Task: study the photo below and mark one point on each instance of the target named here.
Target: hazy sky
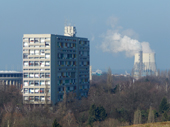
(143, 20)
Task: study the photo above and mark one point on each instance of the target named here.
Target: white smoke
(146, 47)
(114, 41)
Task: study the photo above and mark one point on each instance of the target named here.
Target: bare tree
(46, 94)
(109, 80)
(137, 117)
(151, 116)
(65, 98)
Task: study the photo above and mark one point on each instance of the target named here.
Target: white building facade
(53, 64)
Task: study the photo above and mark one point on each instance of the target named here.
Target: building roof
(9, 72)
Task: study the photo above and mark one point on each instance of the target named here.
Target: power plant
(144, 64)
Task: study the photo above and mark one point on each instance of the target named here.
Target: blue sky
(148, 19)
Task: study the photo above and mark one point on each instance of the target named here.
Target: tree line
(112, 101)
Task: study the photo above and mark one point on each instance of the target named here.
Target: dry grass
(159, 124)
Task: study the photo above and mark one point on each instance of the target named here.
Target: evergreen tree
(101, 115)
(164, 106)
(96, 114)
(55, 124)
(91, 119)
(164, 117)
(92, 110)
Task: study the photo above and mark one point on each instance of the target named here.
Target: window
(36, 40)
(42, 63)
(37, 75)
(31, 98)
(25, 44)
(36, 83)
(42, 75)
(36, 90)
(26, 75)
(31, 40)
(37, 98)
(47, 82)
(71, 88)
(42, 57)
(31, 90)
(42, 40)
(25, 55)
(26, 91)
(25, 63)
(42, 52)
(67, 81)
(41, 90)
(31, 75)
(42, 69)
(36, 63)
(25, 83)
(36, 46)
(31, 63)
(26, 98)
(47, 63)
(37, 52)
(31, 46)
(31, 83)
(47, 44)
(42, 98)
(31, 52)
(47, 75)
(42, 46)
(47, 55)
(42, 82)
(47, 50)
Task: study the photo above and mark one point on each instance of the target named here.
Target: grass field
(159, 124)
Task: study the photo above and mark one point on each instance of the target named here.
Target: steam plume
(114, 42)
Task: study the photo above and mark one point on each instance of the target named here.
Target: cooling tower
(149, 67)
(138, 65)
(144, 64)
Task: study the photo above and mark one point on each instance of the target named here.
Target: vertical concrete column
(4, 85)
(13, 82)
(19, 84)
(10, 82)
(16, 83)
(3, 82)
(6, 82)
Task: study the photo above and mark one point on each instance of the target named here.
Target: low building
(11, 78)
